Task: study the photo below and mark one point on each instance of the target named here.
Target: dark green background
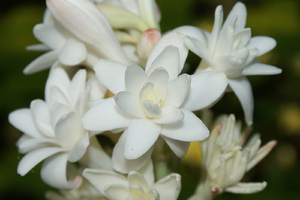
(277, 98)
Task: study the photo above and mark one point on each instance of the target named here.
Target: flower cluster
(114, 73)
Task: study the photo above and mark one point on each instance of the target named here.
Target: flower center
(151, 100)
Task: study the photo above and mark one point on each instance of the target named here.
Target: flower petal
(261, 69)
(263, 43)
(111, 74)
(174, 39)
(216, 29)
(194, 32)
(168, 59)
(73, 52)
(237, 16)
(22, 120)
(142, 134)
(42, 62)
(41, 114)
(169, 187)
(80, 148)
(242, 88)
(246, 188)
(129, 103)
(85, 21)
(135, 78)
(178, 147)
(178, 90)
(49, 35)
(199, 48)
(123, 165)
(191, 128)
(95, 157)
(104, 116)
(206, 88)
(169, 114)
(54, 173)
(102, 179)
(119, 192)
(32, 158)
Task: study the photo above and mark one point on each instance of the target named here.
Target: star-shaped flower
(229, 49)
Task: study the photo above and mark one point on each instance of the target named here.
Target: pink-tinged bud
(147, 41)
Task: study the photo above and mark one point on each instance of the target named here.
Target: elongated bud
(83, 19)
(147, 41)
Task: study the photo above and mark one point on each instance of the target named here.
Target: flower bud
(147, 41)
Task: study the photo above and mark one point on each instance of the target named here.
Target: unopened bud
(147, 41)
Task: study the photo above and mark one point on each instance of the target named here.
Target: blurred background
(277, 98)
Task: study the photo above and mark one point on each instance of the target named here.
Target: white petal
(169, 187)
(199, 48)
(178, 147)
(246, 188)
(95, 157)
(206, 88)
(263, 43)
(73, 52)
(59, 78)
(102, 179)
(178, 90)
(77, 86)
(37, 47)
(49, 35)
(32, 158)
(135, 78)
(42, 62)
(123, 165)
(159, 78)
(85, 21)
(105, 116)
(193, 32)
(54, 173)
(242, 88)
(28, 144)
(142, 134)
(22, 120)
(118, 192)
(148, 171)
(111, 74)
(129, 103)
(168, 59)
(175, 39)
(80, 148)
(216, 29)
(169, 114)
(191, 128)
(242, 38)
(41, 114)
(148, 13)
(238, 13)
(261, 69)
(57, 112)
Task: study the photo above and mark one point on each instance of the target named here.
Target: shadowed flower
(225, 160)
(137, 185)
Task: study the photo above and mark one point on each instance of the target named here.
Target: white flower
(85, 192)
(225, 160)
(60, 44)
(84, 20)
(231, 50)
(52, 129)
(151, 103)
(137, 184)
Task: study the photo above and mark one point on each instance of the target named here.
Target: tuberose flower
(151, 103)
(229, 49)
(137, 185)
(52, 129)
(225, 160)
